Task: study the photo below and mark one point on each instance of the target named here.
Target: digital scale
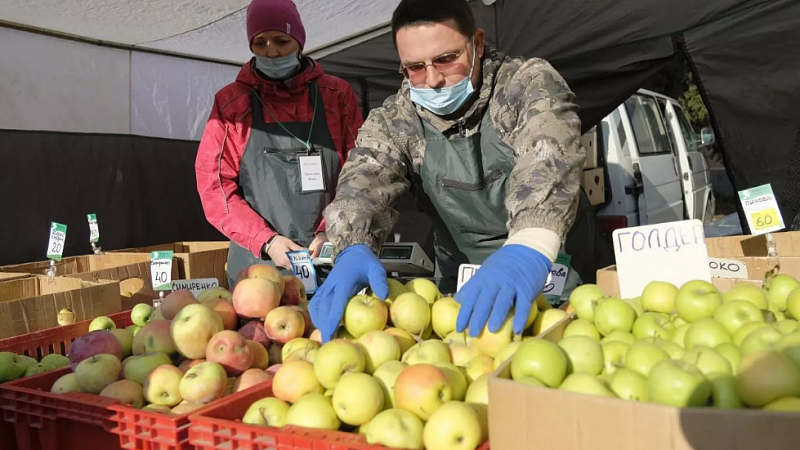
(396, 257)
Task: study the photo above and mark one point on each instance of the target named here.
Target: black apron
(269, 177)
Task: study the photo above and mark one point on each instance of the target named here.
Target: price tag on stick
(94, 230)
(55, 246)
(558, 276)
(303, 268)
(761, 209)
(161, 270)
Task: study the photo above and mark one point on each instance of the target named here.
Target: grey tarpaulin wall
(745, 55)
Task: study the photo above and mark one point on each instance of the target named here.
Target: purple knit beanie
(279, 15)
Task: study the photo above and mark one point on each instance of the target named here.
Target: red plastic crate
(37, 345)
(220, 428)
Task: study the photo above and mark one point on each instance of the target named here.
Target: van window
(648, 128)
(688, 133)
(665, 116)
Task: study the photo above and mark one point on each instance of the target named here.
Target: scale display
(395, 253)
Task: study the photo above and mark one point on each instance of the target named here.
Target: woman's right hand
(278, 248)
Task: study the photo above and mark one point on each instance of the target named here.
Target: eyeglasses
(444, 63)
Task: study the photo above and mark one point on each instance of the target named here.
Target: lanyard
(307, 142)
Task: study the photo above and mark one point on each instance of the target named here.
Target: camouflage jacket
(534, 113)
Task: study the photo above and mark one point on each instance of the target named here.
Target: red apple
(254, 297)
(260, 355)
(254, 331)
(154, 337)
(230, 349)
(225, 310)
(291, 293)
(251, 377)
(94, 343)
(284, 324)
(305, 314)
(189, 363)
(265, 272)
(273, 368)
(175, 302)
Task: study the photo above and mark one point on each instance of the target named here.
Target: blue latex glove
(355, 268)
(511, 277)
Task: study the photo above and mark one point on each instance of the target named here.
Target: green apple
(456, 378)
(674, 350)
(777, 290)
(396, 428)
(378, 347)
(747, 292)
(102, 323)
(541, 359)
(659, 296)
(707, 360)
(789, 345)
(723, 391)
(697, 300)
(679, 335)
(386, 375)
(766, 376)
(613, 314)
(444, 314)
(735, 313)
(334, 359)
(531, 381)
(506, 353)
(583, 383)
(745, 330)
(313, 410)
(706, 332)
(629, 385)
(365, 313)
(643, 356)
(125, 338)
(793, 303)
(636, 303)
(676, 319)
(427, 352)
(411, 312)
(267, 412)
(730, 352)
(55, 360)
(425, 288)
(614, 355)
(136, 368)
(35, 369)
(478, 390)
(65, 384)
(455, 425)
(582, 327)
(679, 384)
(653, 324)
(584, 299)
(785, 404)
(93, 374)
(584, 355)
(357, 398)
(621, 336)
(785, 327)
(141, 313)
(759, 340)
(133, 329)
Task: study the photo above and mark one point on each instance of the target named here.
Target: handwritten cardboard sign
(727, 268)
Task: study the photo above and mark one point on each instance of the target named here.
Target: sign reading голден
(674, 252)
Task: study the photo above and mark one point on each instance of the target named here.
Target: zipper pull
(461, 130)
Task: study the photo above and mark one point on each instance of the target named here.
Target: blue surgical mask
(446, 100)
(280, 68)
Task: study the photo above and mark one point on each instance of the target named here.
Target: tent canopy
(743, 53)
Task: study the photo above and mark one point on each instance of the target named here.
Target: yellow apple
(506, 353)
(364, 313)
(297, 344)
(454, 426)
(478, 366)
(478, 390)
(357, 398)
(456, 378)
(424, 288)
(336, 358)
(547, 319)
(444, 314)
(378, 347)
(396, 428)
(403, 337)
(313, 410)
(490, 343)
(386, 375)
(427, 352)
(295, 379)
(411, 312)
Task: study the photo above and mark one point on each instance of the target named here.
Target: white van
(654, 171)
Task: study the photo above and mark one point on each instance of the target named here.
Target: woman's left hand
(316, 245)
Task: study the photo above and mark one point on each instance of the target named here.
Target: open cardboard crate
(32, 304)
(528, 417)
(751, 251)
(131, 270)
(194, 259)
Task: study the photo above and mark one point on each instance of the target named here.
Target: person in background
(274, 144)
(490, 143)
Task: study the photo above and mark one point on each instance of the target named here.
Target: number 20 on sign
(55, 245)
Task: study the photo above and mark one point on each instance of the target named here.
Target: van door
(693, 210)
(698, 166)
(662, 200)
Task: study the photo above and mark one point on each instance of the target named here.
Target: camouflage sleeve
(373, 178)
(543, 188)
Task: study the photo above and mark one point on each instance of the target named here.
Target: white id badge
(311, 175)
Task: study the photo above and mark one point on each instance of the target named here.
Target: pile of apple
(684, 347)
(397, 372)
(190, 351)
(13, 366)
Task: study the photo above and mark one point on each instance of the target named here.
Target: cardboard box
(594, 184)
(195, 259)
(131, 270)
(748, 250)
(13, 276)
(32, 304)
(528, 417)
(589, 142)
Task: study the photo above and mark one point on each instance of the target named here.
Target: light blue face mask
(280, 68)
(446, 100)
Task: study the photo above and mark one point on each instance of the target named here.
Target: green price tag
(94, 230)
(161, 270)
(55, 246)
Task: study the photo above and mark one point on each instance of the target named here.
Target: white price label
(465, 272)
(55, 246)
(558, 276)
(727, 268)
(161, 270)
(303, 268)
(311, 174)
(761, 209)
(674, 252)
(94, 230)
(196, 286)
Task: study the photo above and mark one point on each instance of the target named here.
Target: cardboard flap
(66, 266)
(787, 244)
